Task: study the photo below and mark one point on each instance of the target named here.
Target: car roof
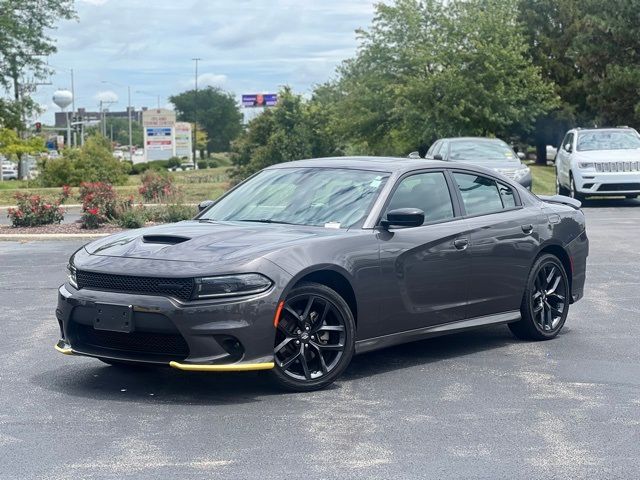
(601, 129)
(478, 139)
(378, 164)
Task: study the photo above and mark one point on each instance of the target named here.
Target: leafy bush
(202, 164)
(157, 165)
(132, 217)
(171, 213)
(156, 186)
(98, 203)
(33, 210)
(93, 162)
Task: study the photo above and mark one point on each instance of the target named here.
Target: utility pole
(129, 112)
(73, 110)
(195, 118)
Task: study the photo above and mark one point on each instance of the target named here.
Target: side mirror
(567, 147)
(437, 156)
(403, 217)
(204, 205)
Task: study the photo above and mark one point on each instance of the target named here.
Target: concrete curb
(50, 236)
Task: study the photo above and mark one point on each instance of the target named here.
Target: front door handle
(461, 243)
(527, 229)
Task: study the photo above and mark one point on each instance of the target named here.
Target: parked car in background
(9, 171)
(551, 153)
(307, 263)
(491, 153)
(599, 161)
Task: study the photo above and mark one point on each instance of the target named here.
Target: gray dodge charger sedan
(307, 263)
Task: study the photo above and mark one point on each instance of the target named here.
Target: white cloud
(106, 96)
(245, 45)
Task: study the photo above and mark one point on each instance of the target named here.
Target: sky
(246, 46)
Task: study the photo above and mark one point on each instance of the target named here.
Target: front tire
(560, 190)
(545, 303)
(315, 338)
(573, 192)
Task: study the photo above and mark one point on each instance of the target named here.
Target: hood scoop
(164, 239)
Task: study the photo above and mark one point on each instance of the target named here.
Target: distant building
(61, 117)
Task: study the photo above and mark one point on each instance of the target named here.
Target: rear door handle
(461, 243)
(527, 229)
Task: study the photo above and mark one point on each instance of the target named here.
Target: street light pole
(129, 112)
(195, 117)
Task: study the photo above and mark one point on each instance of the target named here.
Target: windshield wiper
(267, 220)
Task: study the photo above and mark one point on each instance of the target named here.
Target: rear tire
(545, 303)
(315, 339)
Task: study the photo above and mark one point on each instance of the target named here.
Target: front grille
(149, 343)
(617, 167)
(180, 288)
(618, 187)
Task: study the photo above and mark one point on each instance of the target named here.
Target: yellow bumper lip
(63, 348)
(233, 367)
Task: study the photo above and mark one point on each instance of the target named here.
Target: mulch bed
(61, 228)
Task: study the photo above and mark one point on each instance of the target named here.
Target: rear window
(474, 150)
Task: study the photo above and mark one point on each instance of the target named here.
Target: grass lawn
(544, 179)
(210, 183)
(195, 186)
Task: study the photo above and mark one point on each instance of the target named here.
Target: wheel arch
(333, 277)
(558, 251)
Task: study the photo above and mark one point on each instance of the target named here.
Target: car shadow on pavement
(428, 351)
(610, 202)
(89, 378)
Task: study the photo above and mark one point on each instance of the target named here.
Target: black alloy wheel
(545, 304)
(314, 339)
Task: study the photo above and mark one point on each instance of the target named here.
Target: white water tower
(64, 98)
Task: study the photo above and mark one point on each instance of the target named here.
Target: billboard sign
(260, 100)
(183, 139)
(159, 141)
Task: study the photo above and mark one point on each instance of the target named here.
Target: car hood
(194, 241)
(630, 155)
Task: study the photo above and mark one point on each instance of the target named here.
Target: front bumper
(590, 182)
(223, 335)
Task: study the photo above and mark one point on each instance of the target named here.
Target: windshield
(475, 151)
(608, 140)
(329, 197)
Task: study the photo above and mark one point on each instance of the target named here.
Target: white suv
(599, 161)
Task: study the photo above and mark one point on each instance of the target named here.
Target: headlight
(521, 173)
(585, 164)
(71, 276)
(231, 285)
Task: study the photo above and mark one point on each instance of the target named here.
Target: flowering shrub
(33, 210)
(156, 186)
(98, 203)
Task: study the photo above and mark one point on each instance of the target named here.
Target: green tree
(120, 128)
(12, 145)
(217, 114)
(292, 130)
(25, 41)
(93, 162)
(427, 69)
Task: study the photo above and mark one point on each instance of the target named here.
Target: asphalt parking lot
(473, 405)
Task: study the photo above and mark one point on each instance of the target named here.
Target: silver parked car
(491, 153)
(599, 161)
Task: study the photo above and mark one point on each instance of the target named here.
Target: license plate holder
(114, 318)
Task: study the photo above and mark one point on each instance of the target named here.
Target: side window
(428, 192)
(444, 150)
(435, 148)
(479, 194)
(568, 139)
(506, 194)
